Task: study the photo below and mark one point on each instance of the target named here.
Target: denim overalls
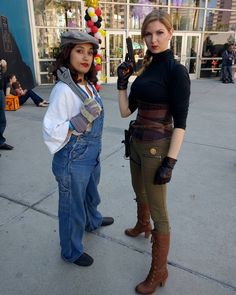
(77, 170)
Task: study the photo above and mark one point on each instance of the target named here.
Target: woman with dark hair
(72, 130)
(160, 93)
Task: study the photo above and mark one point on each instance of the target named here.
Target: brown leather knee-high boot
(158, 272)
(143, 224)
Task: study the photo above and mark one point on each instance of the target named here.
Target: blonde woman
(160, 94)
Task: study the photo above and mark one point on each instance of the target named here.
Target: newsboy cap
(78, 37)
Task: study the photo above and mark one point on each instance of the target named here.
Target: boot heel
(147, 234)
(162, 284)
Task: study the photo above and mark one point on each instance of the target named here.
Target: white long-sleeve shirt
(64, 104)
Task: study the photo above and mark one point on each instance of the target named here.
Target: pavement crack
(27, 206)
(44, 198)
(3, 196)
(211, 145)
(111, 154)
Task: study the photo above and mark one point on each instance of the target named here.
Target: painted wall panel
(19, 27)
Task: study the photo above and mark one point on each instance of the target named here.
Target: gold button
(153, 151)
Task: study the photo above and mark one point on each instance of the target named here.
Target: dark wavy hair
(63, 60)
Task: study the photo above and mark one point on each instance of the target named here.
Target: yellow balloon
(98, 60)
(91, 14)
(103, 33)
(92, 3)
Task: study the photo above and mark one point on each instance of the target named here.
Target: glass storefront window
(221, 20)
(103, 74)
(45, 80)
(48, 41)
(137, 15)
(187, 19)
(176, 46)
(150, 2)
(139, 48)
(63, 14)
(214, 43)
(121, 2)
(52, 17)
(229, 4)
(213, 46)
(114, 15)
(116, 46)
(188, 3)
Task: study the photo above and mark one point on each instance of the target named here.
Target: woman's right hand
(124, 71)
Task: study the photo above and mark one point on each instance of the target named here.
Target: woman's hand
(124, 71)
(90, 109)
(164, 172)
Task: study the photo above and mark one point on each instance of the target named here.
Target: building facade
(202, 29)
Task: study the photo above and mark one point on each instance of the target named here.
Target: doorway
(115, 53)
(186, 49)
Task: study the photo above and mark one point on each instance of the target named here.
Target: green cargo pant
(145, 158)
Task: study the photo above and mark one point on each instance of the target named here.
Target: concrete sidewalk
(201, 200)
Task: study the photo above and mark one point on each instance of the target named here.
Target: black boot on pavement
(6, 146)
(107, 221)
(84, 260)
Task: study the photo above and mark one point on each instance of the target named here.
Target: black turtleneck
(166, 82)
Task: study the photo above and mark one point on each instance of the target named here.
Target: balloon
(88, 30)
(97, 60)
(92, 3)
(98, 24)
(97, 35)
(90, 24)
(91, 10)
(94, 29)
(102, 32)
(94, 18)
(98, 68)
(87, 17)
(91, 14)
(97, 86)
(98, 11)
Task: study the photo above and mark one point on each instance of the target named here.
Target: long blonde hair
(156, 15)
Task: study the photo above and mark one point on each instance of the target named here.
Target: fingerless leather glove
(79, 123)
(89, 111)
(124, 71)
(164, 172)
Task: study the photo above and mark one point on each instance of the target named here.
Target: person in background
(26, 94)
(160, 94)
(72, 130)
(3, 144)
(228, 58)
(17, 88)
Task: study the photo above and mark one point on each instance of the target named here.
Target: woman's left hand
(164, 172)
